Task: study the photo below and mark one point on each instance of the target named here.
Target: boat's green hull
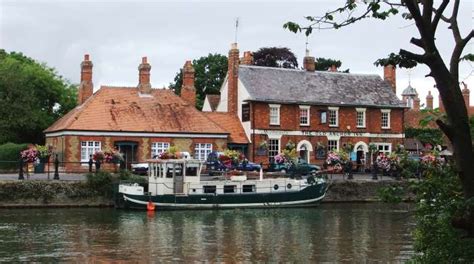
(308, 196)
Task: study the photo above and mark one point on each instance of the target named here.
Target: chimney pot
(86, 57)
(333, 68)
(429, 101)
(247, 59)
(144, 60)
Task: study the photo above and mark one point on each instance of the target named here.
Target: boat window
(248, 188)
(209, 188)
(178, 169)
(191, 170)
(169, 172)
(229, 188)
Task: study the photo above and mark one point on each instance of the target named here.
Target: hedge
(10, 154)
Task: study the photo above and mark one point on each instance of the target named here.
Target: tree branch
(413, 56)
(457, 52)
(454, 22)
(439, 14)
(417, 42)
(445, 128)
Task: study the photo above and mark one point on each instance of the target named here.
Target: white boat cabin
(183, 177)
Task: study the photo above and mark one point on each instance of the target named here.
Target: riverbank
(40, 193)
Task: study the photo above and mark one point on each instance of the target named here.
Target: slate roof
(409, 91)
(230, 123)
(317, 88)
(124, 109)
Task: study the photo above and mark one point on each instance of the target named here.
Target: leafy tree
(425, 135)
(209, 75)
(275, 57)
(426, 16)
(324, 64)
(32, 96)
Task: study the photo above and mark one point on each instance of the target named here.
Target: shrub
(439, 201)
(101, 182)
(10, 155)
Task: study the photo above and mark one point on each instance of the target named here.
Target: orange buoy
(150, 206)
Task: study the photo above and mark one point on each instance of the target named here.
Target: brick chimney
(86, 87)
(465, 94)
(309, 62)
(247, 59)
(389, 74)
(233, 79)
(429, 101)
(333, 68)
(144, 69)
(441, 105)
(416, 104)
(188, 91)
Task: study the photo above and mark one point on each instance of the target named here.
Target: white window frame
(89, 148)
(337, 144)
(158, 148)
(336, 111)
(363, 112)
(202, 150)
(306, 108)
(383, 145)
(272, 152)
(274, 120)
(385, 111)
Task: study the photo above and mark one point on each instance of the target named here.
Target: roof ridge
(305, 71)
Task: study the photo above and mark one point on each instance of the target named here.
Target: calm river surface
(329, 233)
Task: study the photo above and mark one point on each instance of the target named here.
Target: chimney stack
(247, 59)
(416, 103)
(86, 86)
(144, 69)
(441, 105)
(188, 91)
(429, 101)
(233, 78)
(333, 68)
(389, 74)
(465, 94)
(309, 62)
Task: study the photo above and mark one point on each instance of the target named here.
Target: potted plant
(262, 148)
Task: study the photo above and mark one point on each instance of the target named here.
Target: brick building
(139, 121)
(317, 111)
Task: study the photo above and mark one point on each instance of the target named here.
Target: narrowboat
(178, 184)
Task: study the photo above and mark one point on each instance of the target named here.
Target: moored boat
(178, 184)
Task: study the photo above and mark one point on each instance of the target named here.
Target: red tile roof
(231, 124)
(124, 109)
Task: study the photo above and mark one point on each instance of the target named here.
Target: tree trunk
(458, 132)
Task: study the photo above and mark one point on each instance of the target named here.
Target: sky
(118, 33)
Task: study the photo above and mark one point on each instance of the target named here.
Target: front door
(304, 154)
(129, 152)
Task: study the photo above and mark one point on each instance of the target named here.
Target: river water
(329, 233)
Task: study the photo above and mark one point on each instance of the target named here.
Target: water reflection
(331, 232)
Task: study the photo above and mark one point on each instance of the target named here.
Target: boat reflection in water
(330, 232)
